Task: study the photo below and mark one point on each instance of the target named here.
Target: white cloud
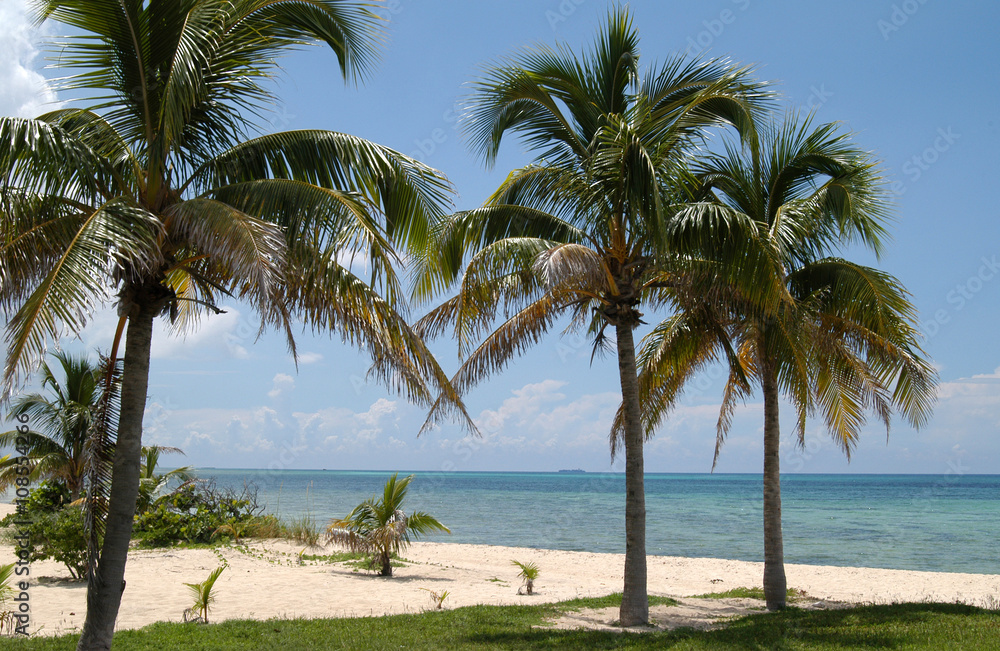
(227, 335)
(995, 375)
(309, 358)
(282, 384)
(25, 92)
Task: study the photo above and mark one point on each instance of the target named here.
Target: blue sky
(916, 79)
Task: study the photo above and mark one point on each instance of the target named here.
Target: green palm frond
(204, 592)
(842, 336)
(77, 281)
(409, 193)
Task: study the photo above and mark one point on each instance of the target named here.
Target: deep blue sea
(915, 522)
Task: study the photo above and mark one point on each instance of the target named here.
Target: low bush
(55, 530)
(195, 512)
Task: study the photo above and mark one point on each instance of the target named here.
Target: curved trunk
(635, 601)
(775, 589)
(105, 587)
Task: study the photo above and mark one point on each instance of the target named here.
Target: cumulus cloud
(220, 335)
(25, 92)
(309, 358)
(282, 384)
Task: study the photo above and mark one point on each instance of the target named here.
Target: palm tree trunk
(386, 564)
(635, 601)
(775, 587)
(104, 591)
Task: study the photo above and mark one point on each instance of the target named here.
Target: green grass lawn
(898, 627)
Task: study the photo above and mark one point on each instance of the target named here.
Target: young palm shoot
(529, 572)
(7, 592)
(437, 597)
(380, 529)
(203, 593)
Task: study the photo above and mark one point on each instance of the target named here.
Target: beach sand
(264, 580)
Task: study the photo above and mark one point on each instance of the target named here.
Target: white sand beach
(264, 580)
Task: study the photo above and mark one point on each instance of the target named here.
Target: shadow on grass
(910, 626)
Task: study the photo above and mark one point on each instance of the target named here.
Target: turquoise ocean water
(914, 522)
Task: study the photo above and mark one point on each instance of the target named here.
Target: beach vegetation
(305, 530)
(529, 572)
(153, 483)
(792, 594)
(60, 419)
(8, 622)
(836, 338)
(55, 528)
(204, 594)
(265, 526)
(380, 529)
(156, 189)
(197, 513)
(589, 231)
(437, 598)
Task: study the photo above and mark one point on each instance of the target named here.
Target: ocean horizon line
(598, 472)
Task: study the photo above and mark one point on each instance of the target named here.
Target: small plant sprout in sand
(379, 528)
(529, 572)
(437, 597)
(203, 597)
(7, 620)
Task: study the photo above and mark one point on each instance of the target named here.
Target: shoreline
(263, 580)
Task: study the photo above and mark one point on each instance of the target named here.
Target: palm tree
(529, 572)
(157, 196)
(379, 528)
(151, 483)
(581, 230)
(204, 595)
(847, 340)
(57, 448)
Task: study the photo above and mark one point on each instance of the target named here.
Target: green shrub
(49, 497)
(194, 513)
(55, 530)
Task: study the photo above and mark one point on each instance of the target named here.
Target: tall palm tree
(156, 196)
(582, 230)
(846, 343)
(57, 442)
(380, 527)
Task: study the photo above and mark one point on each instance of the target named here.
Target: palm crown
(156, 193)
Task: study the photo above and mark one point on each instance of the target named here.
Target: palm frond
(99, 457)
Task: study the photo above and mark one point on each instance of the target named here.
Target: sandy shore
(264, 580)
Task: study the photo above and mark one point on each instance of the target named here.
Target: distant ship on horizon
(573, 470)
